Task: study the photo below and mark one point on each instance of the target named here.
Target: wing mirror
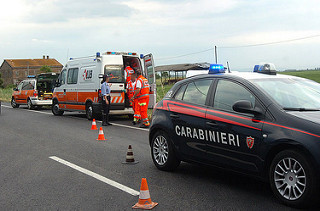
(245, 106)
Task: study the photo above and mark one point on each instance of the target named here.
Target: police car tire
(14, 103)
(56, 112)
(172, 161)
(29, 104)
(311, 185)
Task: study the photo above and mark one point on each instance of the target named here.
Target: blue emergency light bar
(265, 68)
(216, 68)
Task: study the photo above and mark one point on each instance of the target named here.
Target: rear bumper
(37, 102)
(114, 110)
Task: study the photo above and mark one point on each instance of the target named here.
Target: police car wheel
(14, 103)
(162, 152)
(292, 179)
(89, 111)
(56, 110)
(29, 104)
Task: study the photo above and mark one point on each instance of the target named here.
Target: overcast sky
(166, 28)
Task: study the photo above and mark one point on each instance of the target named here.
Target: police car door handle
(212, 123)
(175, 116)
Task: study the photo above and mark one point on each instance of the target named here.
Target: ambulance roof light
(216, 68)
(265, 68)
(98, 54)
(141, 56)
(31, 76)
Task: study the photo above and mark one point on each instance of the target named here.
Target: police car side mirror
(245, 106)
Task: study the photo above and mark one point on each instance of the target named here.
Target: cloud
(51, 11)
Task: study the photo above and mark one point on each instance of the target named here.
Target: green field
(5, 94)
(309, 74)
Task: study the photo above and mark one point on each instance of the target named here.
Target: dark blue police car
(259, 123)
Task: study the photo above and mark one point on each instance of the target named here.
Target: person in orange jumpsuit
(134, 102)
(129, 87)
(141, 93)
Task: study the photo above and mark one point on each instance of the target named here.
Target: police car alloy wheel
(162, 152)
(29, 103)
(291, 180)
(14, 104)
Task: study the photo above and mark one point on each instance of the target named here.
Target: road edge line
(97, 176)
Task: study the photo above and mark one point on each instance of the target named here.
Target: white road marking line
(41, 112)
(127, 126)
(97, 176)
(116, 124)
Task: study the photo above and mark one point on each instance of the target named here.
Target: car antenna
(229, 71)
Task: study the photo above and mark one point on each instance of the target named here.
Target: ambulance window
(197, 91)
(63, 77)
(28, 85)
(20, 86)
(72, 77)
(228, 92)
(115, 72)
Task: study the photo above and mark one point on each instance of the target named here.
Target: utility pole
(215, 53)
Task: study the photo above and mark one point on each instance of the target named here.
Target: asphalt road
(31, 180)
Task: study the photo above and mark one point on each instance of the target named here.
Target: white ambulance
(78, 86)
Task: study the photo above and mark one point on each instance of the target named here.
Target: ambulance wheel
(89, 111)
(162, 152)
(56, 110)
(293, 179)
(14, 103)
(29, 104)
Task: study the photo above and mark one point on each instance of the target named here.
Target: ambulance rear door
(150, 74)
(113, 66)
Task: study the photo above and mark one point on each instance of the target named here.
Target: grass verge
(5, 94)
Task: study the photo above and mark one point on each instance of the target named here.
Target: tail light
(35, 93)
(99, 95)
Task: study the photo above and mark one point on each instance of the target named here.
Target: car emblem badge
(250, 142)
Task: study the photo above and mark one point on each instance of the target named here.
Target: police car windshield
(293, 94)
(115, 72)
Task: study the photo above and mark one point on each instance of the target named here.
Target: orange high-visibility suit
(128, 72)
(143, 99)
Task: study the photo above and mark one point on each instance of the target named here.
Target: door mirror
(245, 106)
(57, 84)
(15, 89)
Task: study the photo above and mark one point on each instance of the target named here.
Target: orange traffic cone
(101, 135)
(94, 125)
(130, 157)
(144, 197)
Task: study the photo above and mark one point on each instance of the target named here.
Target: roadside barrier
(94, 125)
(144, 197)
(101, 135)
(130, 157)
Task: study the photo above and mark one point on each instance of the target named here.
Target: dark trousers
(105, 106)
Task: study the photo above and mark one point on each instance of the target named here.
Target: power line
(242, 46)
(174, 57)
(271, 43)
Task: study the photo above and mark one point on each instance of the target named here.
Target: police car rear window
(194, 92)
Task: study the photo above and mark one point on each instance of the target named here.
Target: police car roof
(245, 75)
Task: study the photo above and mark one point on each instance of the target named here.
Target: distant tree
(157, 76)
(165, 74)
(1, 82)
(46, 69)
